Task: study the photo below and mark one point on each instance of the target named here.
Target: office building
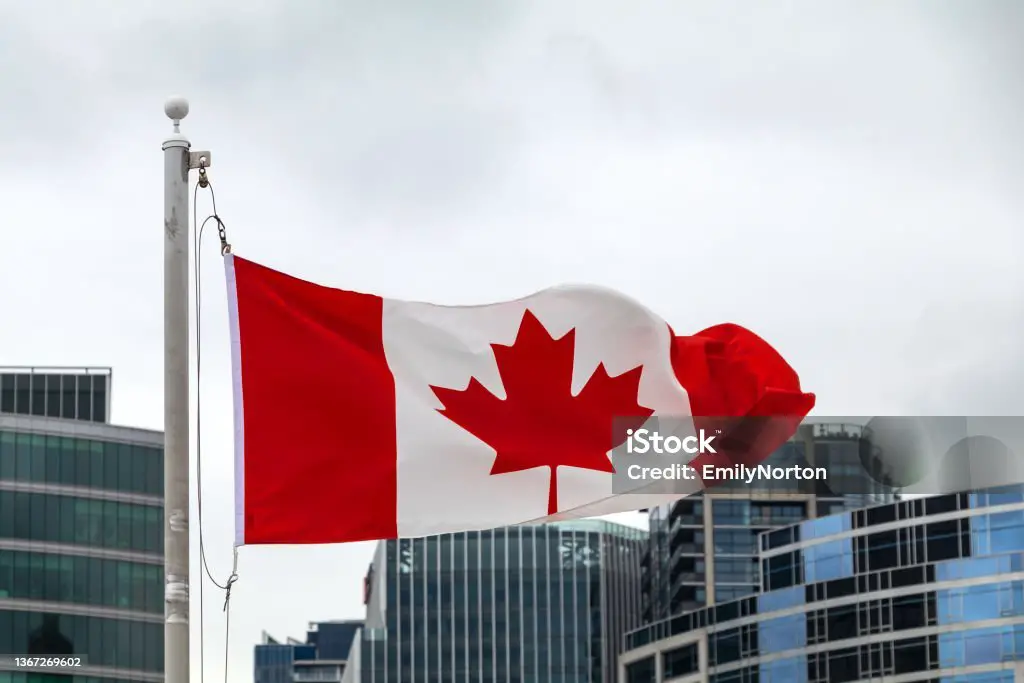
(274, 661)
(926, 590)
(81, 529)
(526, 604)
(333, 639)
(320, 659)
(703, 549)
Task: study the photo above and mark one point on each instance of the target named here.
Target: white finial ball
(176, 108)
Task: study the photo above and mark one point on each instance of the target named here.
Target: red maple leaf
(540, 423)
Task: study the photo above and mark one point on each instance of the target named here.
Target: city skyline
(852, 196)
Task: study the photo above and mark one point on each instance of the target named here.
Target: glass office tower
(274, 661)
(527, 604)
(333, 639)
(928, 590)
(81, 531)
(704, 549)
(320, 659)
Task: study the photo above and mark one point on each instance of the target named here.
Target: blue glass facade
(274, 662)
(333, 639)
(321, 659)
(704, 549)
(529, 604)
(81, 533)
(931, 589)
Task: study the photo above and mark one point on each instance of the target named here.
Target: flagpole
(177, 163)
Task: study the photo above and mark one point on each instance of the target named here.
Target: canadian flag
(362, 418)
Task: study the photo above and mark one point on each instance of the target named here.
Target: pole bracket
(199, 160)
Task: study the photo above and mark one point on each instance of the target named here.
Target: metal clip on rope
(204, 182)
(222, 233)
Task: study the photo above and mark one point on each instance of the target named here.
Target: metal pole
(176, 396)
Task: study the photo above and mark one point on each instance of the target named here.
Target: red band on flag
(319, 412)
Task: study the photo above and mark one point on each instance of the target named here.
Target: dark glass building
(81, 535)
(928, 590)
(333, 639)
(67, 393)
(274, 661)
(703, 549)
(526, 604)
(321, 659)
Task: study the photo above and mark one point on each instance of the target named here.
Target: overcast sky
(845, 178)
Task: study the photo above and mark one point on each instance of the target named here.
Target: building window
(104, 642)
(87, 463)
(783, 571)
(783, 633)
(827, 561)
(82, 580)
(735, 541)
(85, 521)
(643, 671)
(735, 512)
(724, 593)
(680, 661)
